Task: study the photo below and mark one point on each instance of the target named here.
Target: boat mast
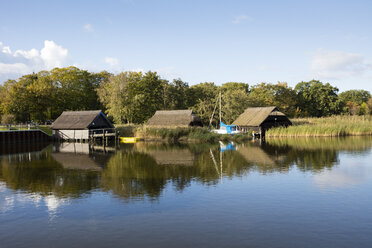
(220, 110)
(214, 110)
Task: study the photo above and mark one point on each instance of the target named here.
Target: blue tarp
(229, 128)
(230, 147)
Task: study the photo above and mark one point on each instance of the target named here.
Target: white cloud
(88, 28)
(112, 61)
(13, 65)
(137, 70)
(338, 64)
(350, 173)
(53, 55)
(31, 54)
(5, 49)
(14, 68)
(167, 72)
(241, 18)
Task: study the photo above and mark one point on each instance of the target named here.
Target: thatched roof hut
(80, 120)
(173, 157)
(264, 160)
(79, 156)
(260, 119)
(76, 161)
(174, 118)
(75, 125)
(255, 155)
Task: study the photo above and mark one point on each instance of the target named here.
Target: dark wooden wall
(19, 136)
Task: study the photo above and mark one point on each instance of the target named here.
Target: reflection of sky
(352, 171)
(9, 201)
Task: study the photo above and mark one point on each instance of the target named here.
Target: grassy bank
(177, 134)
(349, 143)
(325, 126)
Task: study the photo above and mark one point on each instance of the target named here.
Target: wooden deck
(103, 136)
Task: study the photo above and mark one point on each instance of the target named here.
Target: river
(282, 193)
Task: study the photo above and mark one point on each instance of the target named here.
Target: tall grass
(350, 143)
(127, 130)
(325, 126)
(177, 134)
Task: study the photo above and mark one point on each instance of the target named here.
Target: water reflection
(143, 170)
(53, 171)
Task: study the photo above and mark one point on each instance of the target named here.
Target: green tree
(146, 97)
(357, 96)
(364, 110)
(369, 103)
(114, 97)
(317, 99)
(352, 100)
(234, 102)
(76, 88)
(175, 94)
(20, 101)
(235, 86)
(203, 98)
(47, 94)
(132, 97)
(279, 95)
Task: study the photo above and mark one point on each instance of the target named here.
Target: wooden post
(103, 139)
(115, 138)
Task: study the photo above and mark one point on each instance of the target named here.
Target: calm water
(285, 193)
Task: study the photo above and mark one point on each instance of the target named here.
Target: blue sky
(197, 41)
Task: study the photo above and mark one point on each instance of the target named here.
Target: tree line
(133, 97)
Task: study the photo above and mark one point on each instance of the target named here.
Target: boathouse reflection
(144, 170)
(62, 170)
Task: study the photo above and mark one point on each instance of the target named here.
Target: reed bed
(333, 126)
(349, 143)
(177, 134)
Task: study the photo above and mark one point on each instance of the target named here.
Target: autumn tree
(132, 97)
(45, 95)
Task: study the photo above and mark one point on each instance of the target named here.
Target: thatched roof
(173, 157)
(256, 155)
(253, 117)
(75, 120)
(176, 118)
(76, 161)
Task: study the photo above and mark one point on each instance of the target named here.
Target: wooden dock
(103, 136)
(92, 136)
(22, 136)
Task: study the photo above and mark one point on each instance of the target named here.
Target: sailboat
(224, 129)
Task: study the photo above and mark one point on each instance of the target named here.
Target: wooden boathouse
(174, 118)
(83, 126)
(259, 119)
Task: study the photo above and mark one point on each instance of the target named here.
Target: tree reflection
(39, 172)
(144, 170)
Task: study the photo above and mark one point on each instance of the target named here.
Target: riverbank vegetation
(133, 97)
(351, 143)
(325, 126)
(192, 134)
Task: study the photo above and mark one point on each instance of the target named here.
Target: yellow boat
(129, 139)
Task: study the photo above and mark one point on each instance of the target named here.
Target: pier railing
(103, 134)
(9, 127)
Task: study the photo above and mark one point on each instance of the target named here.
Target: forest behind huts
(133, 97)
